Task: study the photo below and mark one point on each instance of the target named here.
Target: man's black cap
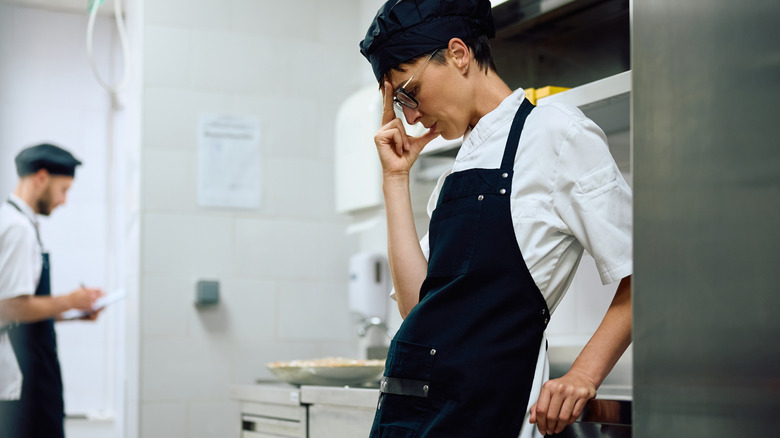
(405, 29)
(56, 160)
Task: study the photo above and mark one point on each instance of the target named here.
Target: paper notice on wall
(228, 161)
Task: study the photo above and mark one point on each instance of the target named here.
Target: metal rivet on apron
(504, 175)
(425, 388)
(502, 191)
(543, 311)
(433, 351)
(545, 320)
(480, 197)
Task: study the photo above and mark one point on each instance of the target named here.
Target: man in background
(31, 401)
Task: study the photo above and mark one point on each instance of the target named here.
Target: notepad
(100, 303)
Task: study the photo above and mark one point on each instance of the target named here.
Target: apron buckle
(393, 385)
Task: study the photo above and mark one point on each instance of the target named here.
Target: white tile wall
(187, 244)
(289, 126)
(313, 310)
(248, 311)
(200, 14)
(233, 63)
(277, 248)
(290, 188)
(170, 117)
(292, 19)
(7, 39)
(282, 267)
(59, 37)
(170, 188)
(336, 248)
(165, 306)
(175, 370)
(163, 420)
(167, 52)
(209, 419)
(342, 26)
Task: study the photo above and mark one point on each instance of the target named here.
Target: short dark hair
(479, 45)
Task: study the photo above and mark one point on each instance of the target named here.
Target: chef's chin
(449, 136)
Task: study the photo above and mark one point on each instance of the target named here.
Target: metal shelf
(606, 101)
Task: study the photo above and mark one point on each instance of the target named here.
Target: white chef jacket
(567, 192)
(20, 271)
(568, 195)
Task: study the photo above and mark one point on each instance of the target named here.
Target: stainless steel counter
(351, 410)
(340, 396)
(276, 393)
(271, 410)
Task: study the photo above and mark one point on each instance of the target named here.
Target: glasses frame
(412, 102)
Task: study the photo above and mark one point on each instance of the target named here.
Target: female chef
(531, 188)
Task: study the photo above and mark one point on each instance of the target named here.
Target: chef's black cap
(405, 29)
(56, 160)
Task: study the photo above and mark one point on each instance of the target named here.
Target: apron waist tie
(392, 385)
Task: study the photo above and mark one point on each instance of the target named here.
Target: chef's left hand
(91, 316)
(561, 402)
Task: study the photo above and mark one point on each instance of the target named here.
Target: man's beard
(44, 204)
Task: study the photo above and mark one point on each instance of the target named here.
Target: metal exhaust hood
(542, 19)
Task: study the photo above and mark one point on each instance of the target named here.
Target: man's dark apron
(463, 361)
(39, 413)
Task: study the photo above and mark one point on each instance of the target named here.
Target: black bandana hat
(405, 29)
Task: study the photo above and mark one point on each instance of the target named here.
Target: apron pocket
(453, 236)
(404, 406)
(409, 361)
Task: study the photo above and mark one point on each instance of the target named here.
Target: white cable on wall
(93, 8)
(111, 172)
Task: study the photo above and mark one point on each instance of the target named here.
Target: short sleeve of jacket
(593, 199)
(17, 260)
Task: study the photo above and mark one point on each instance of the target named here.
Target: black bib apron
(463, 361)
(40, 412)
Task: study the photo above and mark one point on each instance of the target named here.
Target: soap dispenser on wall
(369, 286)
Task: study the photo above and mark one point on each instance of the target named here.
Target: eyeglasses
(401, 97)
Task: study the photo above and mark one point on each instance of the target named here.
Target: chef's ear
(41, 177)
(459, 54)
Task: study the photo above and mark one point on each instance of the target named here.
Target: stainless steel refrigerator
(706, 178)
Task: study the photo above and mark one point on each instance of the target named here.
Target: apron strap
(10, 326)
(508, 162)
(37, 234)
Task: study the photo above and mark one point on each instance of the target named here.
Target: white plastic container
(369, 285)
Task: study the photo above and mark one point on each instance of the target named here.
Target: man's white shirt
(20, 271)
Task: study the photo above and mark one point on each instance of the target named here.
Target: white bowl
(328, 371)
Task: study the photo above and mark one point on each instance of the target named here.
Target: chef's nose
(412, 116)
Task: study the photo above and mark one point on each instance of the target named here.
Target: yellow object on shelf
(530, 94)
(534, 94)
